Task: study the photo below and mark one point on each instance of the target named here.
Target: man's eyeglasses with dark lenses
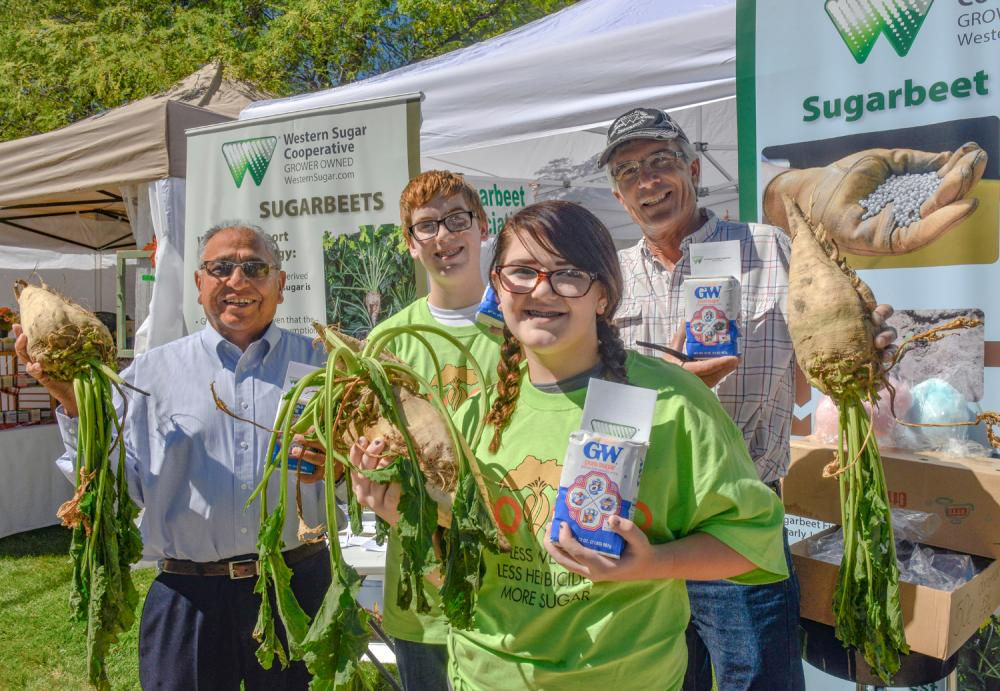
(659, 162)
(454, 223)
(568, 283)
(221, 268)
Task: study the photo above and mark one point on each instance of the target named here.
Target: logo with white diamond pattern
(861, 22)
(253, 155)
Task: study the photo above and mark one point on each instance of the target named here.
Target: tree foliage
(63, 60)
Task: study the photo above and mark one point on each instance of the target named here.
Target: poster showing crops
(368, 276)
(325, 184)
(880, 119)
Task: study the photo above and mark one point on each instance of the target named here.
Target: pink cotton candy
(827, 415)
(882, 419)
(825, 426)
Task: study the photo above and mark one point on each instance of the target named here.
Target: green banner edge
(746, 107)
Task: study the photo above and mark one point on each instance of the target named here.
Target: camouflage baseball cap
(641, 123)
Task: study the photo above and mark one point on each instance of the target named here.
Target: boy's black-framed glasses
(223, 268)
(454, 223)
(568, 283)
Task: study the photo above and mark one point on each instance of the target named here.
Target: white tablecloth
(32, 487)
(365, 562)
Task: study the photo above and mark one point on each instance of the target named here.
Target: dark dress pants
(195, 631)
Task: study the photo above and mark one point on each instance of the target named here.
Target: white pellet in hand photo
(905, 192)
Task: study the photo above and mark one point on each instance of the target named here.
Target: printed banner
(881, 117)
(501, 198)
(325, 184)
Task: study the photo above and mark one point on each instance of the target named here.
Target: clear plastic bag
(931, 567)
(828, 547)
(931, 402)
(914, 526)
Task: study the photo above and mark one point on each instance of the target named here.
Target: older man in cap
(750, 632)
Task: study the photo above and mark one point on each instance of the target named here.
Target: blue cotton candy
(935, 400)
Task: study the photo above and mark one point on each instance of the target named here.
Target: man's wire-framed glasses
(568, 283)
(453, 223)
(660, 162)
(223, 268)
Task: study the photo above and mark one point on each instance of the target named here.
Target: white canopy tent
(534, 104)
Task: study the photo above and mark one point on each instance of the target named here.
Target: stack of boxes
(22, 400)
(963, 492)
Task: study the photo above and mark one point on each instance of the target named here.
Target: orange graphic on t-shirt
(457, 383)
(535, 476)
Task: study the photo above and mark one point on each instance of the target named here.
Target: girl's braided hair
(573, 233)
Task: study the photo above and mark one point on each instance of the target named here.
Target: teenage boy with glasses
(444, 225)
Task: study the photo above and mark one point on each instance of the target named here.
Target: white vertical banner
(857, 92)
(501, 198)
(325, 184)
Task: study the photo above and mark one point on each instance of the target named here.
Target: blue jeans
(422, 666)
(748, 634)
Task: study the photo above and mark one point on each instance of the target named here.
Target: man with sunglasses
(444, 224)
(191, 467)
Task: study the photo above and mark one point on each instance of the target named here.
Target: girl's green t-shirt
(460, 382)
(538, 625)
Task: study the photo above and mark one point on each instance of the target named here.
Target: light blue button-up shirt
(191, 466)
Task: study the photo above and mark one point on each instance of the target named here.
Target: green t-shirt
(538, 625)
(460, 382)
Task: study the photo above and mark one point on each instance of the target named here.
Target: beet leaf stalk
(364, 391)
(72, 345)
(866, 604)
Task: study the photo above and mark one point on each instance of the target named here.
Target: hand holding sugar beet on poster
(842, 195)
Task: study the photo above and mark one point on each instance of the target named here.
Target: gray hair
(686, 147)
(268, 242)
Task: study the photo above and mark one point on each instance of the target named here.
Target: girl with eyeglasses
(556, 615)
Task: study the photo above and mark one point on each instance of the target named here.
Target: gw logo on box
(252, 155)
(601, 452)
(860, 23)
(702, 292)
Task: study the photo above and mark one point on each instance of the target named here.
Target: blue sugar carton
(603, 464)
(295, 372)
(711, 316)
(489, 309)
(304, 467)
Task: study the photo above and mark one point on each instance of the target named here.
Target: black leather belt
(238, 567)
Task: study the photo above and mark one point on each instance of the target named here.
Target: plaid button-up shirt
(759, 394)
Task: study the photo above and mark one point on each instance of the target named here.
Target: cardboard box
(963, 492)
(936, 622)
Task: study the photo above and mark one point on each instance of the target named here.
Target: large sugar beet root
(432, 440)
(428, 430)
(829, 312)
(62, 336)
(71, 344)
(830, 320)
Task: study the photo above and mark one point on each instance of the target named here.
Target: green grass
(40, 647)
